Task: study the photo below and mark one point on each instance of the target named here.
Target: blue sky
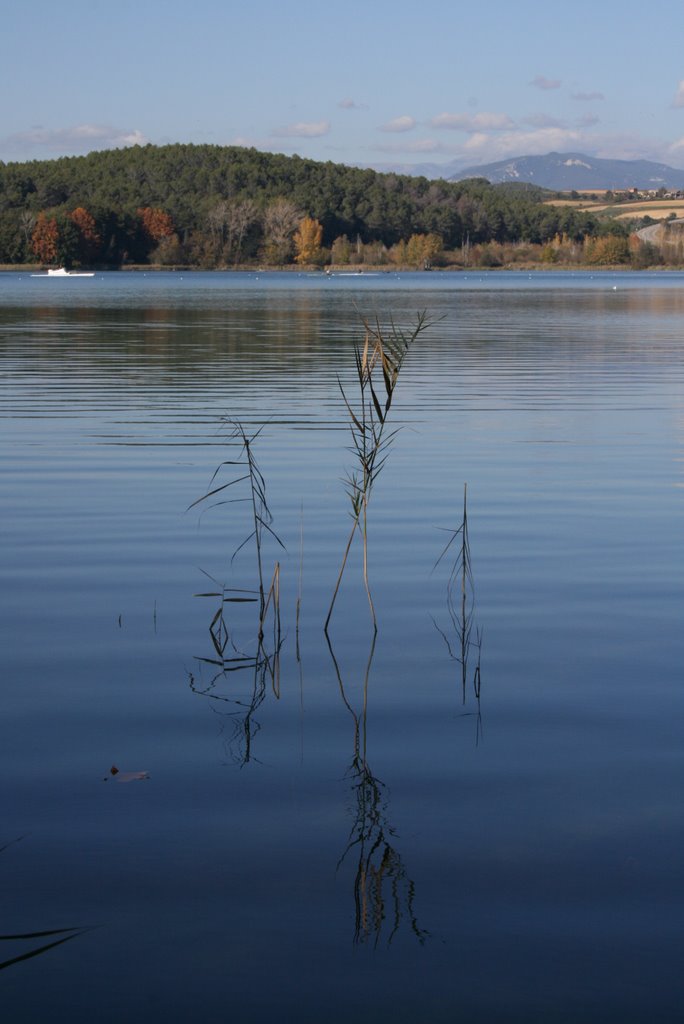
(377, 83)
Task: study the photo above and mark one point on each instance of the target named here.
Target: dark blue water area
(347, 830)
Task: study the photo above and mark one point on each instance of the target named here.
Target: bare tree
(240, 217)
(27, 222)
(280, 220)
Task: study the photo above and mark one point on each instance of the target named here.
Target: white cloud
(483, 148)
(302, 130)
(398, 124)
(588, 96)
(484, 121)
(540, 82)
(678, 101)
(74, 140)
(349, 104)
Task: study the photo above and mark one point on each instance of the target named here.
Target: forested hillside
(215, 206)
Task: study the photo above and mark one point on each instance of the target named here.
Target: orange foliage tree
(89, 240)
(307, 240)
(156, 224)
(44, 239)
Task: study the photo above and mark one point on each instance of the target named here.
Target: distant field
(576, 203)
(658, 209)
(654, 210)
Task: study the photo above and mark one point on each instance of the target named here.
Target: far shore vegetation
(220, 208)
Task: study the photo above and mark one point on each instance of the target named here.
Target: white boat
(62, 272)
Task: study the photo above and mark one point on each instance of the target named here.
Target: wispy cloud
(540, 82)
(245, 140)
(349, 104)
(74, 140)
(484, 121)
(678, 100)
(302, 130)
(543, 121)
(586, 97)
(398, 124)
(415, 146)
(588, 121)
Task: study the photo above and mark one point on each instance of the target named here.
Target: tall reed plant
(378, 365)
(260, 519)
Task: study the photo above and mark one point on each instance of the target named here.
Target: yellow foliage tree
(341, 250)
(421, 250)
(608, 250)
(432, 246)
(307, 240)
(397, 253)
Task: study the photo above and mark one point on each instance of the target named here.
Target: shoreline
(356, 268)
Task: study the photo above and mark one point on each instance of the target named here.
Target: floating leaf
(126, 776)
(132, 776)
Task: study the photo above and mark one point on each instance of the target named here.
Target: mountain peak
(564, 172)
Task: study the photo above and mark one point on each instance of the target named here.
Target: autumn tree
(307, 240)
(155, 223)
(432, 247)
(341, 250)
(607, 250)
(422, 250)
(44, 238)
(158, 233)
(397, 253)
(89, 240)
(170, 251)
(643, 254)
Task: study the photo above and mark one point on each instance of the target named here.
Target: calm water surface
(350, 833)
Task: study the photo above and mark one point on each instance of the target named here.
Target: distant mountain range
(560, 172)
(567, 171)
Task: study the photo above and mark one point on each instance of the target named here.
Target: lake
(473, 814)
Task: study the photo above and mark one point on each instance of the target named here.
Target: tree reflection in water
(383, 891)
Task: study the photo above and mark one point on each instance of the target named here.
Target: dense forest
(213, 206)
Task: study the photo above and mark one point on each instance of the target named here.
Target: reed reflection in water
(382, 887)
(463, 638)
